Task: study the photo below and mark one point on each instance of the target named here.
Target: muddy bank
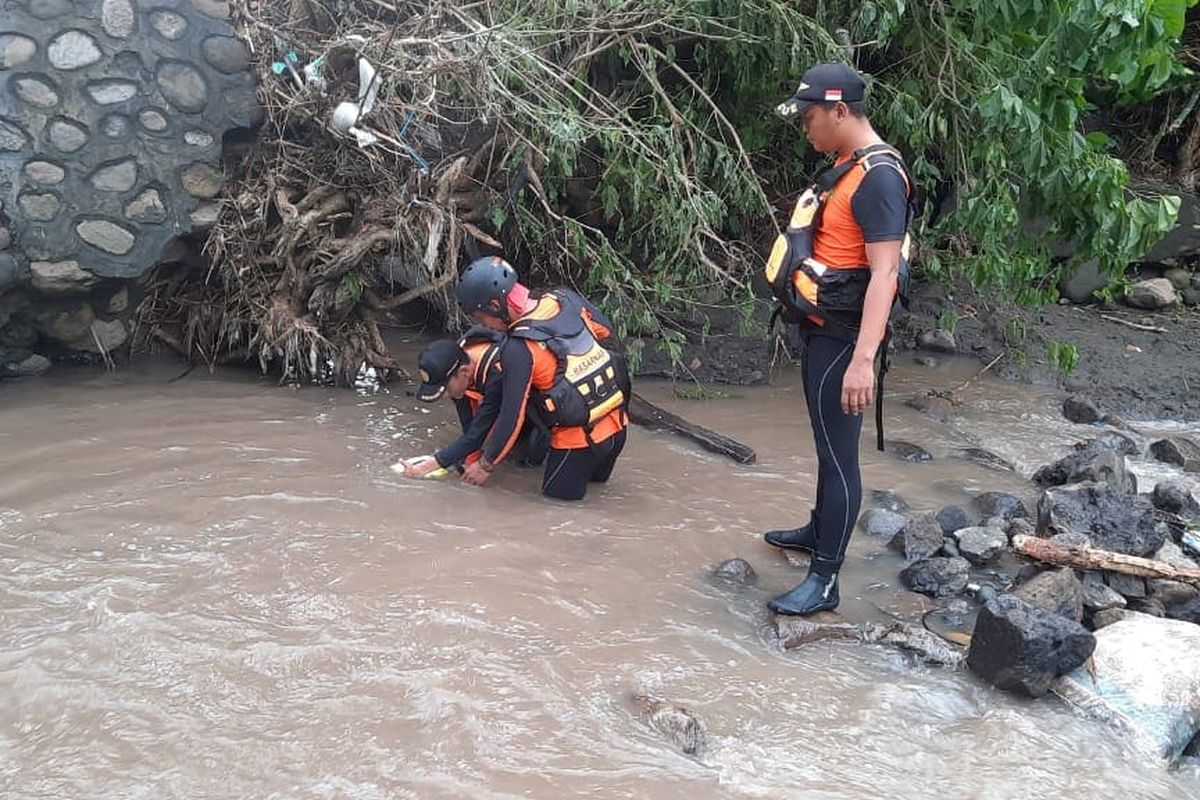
(1137, 373)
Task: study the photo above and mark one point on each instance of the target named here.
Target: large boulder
(1144, 679)
(1057, 591)
(1175, 498)
(1097, 465)
(1021, 648)
(1178, 451)
(1152, 294)
(920, 538)
(1112, 519)
(937, 577)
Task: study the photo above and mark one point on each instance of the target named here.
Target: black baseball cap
(437, 364)
(824, 83)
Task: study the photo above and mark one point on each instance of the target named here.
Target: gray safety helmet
(484, 286)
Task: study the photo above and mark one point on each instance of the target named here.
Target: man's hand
(476, 473)
(858, 386)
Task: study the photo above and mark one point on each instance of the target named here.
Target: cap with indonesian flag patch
(825, 83)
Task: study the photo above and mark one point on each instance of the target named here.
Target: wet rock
(1171, 554)
(1019, 526)
(735, 571)
(980, 545)
(1170, 593)
(1099, 596)
(939, 341)
(106, 236)
(1096, 465)
(932, 405)
(883, 523)
(226, 54)
(984, 458)
(953, 518)
(887, 499)
(1178, 451)
(67, 136)
(182, 85)
(1057, 591)
(1152, 295)
(1071, 539)
(67, 324)
(795, 632)
(676, 724)
(1112, 519)
(999, 504)
(950, 548)
(1111, 440)
(15, 50)
(906, 451)
(926, 361)
(1130, 586)
(201, 180)
(1188, 612)
(920, 538)
(1175, 498)
(937, 577)
(1179, 278)
(1102, 619)
(29, 367)
(1020, 648)
(1081, 410)
(1149, 607)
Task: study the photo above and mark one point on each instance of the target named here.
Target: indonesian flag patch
(833, 95)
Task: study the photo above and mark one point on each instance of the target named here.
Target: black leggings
(568, 472)
(839, 483)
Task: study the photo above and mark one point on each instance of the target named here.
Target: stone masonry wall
(112, 115)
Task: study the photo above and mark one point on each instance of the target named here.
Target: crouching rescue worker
(556, 372)
(839, 270)
(469, 371)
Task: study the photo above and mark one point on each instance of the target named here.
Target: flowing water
(214, 588)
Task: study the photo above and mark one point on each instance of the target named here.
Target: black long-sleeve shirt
(475, 422)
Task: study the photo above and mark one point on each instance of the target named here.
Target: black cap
(824, 83)
(437, 364)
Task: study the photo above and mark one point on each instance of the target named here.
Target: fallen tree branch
(1135, 325)
(643, 412)
(379, 304)
(1089, 558)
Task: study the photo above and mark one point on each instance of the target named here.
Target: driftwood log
(1088, 558)
(643, 412)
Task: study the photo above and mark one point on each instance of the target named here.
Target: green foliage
(668, 127)
(1063, 356)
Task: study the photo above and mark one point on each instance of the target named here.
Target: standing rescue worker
(838, 270)
(556, 371)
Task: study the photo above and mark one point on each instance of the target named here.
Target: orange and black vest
(482, 346)
(831, 295)
(590, 381)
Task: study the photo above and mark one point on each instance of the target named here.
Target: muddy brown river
(214, 588)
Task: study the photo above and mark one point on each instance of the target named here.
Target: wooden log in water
(1091, 559)
(643, 412)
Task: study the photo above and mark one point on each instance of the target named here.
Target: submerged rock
(1178, 451)
(999, 504)
(676, 724)
(736, 571)
(1080, 410)
(1143, 679)
(953, 518)
(883, 523)
(907, 451)
(1020, 648)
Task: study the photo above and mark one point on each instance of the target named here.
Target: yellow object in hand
(402, 468)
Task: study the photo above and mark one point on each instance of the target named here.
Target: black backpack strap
(884, 366)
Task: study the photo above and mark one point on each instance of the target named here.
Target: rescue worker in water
(838, 271)
(545, 367)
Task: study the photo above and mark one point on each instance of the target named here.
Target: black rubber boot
(794, 539)
(816, 593)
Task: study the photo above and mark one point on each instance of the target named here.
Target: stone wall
(112, 116)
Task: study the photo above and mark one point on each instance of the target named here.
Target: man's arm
(477, 430)
(517, 382)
